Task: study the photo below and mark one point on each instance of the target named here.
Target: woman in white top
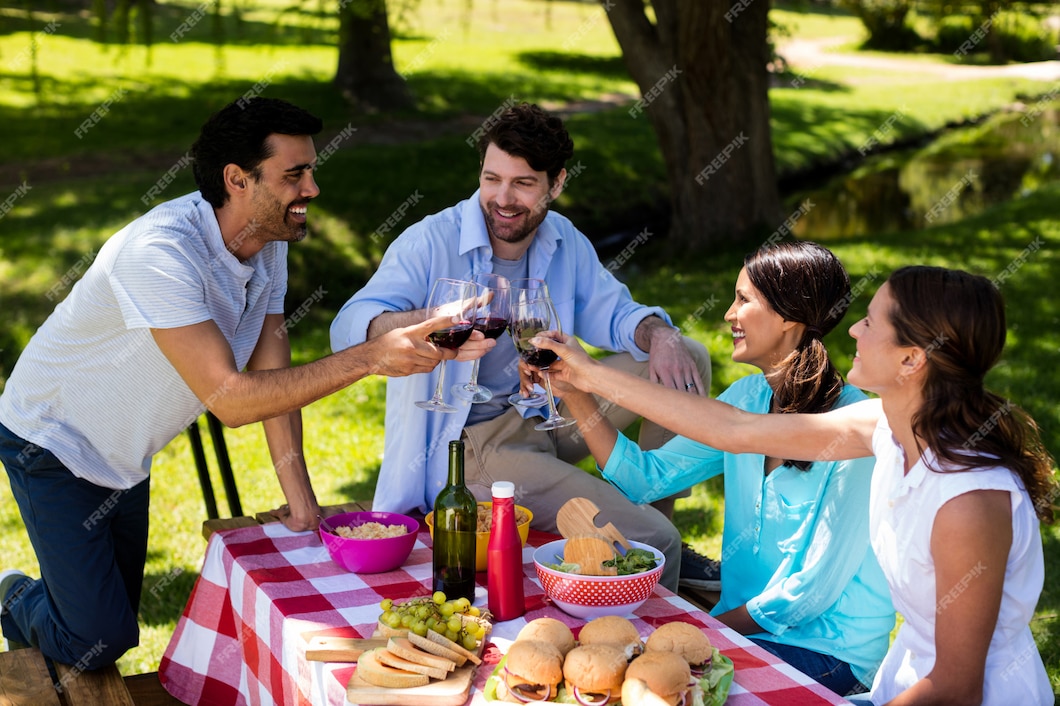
(960, 483)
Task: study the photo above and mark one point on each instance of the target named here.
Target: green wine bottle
(455, 523)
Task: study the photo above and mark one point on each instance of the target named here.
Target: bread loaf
(373, 671)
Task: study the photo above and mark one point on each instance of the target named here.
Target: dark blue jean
(824, 669)
(91, 543)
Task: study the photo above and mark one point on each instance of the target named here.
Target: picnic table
(265, 592)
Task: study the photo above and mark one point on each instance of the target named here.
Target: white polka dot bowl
(589, 597)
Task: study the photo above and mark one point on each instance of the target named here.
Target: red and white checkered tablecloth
(265, 591)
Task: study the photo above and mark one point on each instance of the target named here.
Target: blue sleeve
(810, 581)
(400, 284)
(646, 476)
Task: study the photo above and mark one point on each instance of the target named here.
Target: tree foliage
(888, 23)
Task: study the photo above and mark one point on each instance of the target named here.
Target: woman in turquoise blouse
(799, 577)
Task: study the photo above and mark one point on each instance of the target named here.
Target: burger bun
(684, 639)
(613, 630)
(666, 675)
(635, 692)
(595, 673)
(549, 630)
(532, 672)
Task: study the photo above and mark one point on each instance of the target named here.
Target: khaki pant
(540, 463)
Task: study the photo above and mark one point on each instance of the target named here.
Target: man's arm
(669, 362)
(390, 320)
(475, 347)
(284, 434)
(650, 327)
(204, 359)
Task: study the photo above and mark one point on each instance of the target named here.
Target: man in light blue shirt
(506, 227)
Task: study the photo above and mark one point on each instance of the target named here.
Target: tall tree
(701, 69)
(366, 72)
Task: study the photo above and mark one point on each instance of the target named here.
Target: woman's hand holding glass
(570, 372)
(521, 291)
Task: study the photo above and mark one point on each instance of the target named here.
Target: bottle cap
(503, 489)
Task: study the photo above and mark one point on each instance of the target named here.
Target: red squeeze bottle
(504, 563)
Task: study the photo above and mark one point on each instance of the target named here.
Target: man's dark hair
(237, 134)
(527, 131)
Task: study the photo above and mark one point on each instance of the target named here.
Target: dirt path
(806, 55)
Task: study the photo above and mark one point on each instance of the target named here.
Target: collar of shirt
(216, 244)
(475, 236)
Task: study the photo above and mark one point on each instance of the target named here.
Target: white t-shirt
(901, 518)
(92, 386)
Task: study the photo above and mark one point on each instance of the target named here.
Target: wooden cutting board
(451, 691)
(577, 518)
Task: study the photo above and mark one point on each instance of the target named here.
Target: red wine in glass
(492, 326)
(523, 291)
(456, 299)
(539, 358)
(452, 337)
(491, 310)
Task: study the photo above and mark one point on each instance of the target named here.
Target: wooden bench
(25, 681)
(263, 518)
(28, 678)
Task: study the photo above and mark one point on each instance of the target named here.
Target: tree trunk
(701, 69)
(366, 72)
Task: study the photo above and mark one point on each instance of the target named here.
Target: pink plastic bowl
(589, 597)
(370, 556)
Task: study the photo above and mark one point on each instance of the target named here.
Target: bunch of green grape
(455, 619)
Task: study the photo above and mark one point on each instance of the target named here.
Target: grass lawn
(461, 67)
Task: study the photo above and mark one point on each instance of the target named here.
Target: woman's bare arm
(840, 434)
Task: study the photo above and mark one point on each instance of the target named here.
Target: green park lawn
(461, 67)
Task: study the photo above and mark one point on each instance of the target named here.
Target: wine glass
(522, 290)
(533, 316)
(492, 307)
(454, 298)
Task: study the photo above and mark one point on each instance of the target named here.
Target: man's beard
(276, 224)
(511, 233)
